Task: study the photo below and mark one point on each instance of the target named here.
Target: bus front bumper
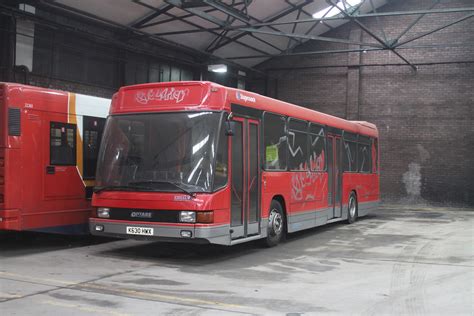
(187, 233)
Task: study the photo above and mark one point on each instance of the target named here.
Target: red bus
(200, 162)
(49, 144)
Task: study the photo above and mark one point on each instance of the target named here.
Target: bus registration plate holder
(146, 231)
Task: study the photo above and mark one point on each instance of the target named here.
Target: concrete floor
(398, 260)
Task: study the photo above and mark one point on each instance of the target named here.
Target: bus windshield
(171, 152)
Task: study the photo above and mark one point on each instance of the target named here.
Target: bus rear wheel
(276, 225)
(352, 208)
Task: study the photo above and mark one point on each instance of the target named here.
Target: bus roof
(204, 95)
(50, 100)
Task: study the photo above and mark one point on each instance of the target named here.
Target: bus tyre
(352, 208)
(276, 225)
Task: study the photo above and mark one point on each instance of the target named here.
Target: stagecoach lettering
(165, 94)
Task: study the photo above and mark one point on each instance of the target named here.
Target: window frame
(364, 141)
(375, 163)
(284, 119)
(222, 133)
(351, 138)
(288, 129)
(66, 126)
(100, 131)
(324, 128)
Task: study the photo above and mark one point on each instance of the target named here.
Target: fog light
(186, 233)
(99, 228)
(187, 217)
(103, 212)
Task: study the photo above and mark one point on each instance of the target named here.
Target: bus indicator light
(205, 217)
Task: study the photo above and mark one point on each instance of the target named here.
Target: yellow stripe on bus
(72, 118)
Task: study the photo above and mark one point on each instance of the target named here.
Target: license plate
(140, 231)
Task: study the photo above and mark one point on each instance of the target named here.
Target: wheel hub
(275, 222)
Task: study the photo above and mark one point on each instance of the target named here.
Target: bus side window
(297, 145)
(317, 153)
(92, 128)
(350, 152)
(62, 144)
(364, 158)
(220, 179)
(274, 142)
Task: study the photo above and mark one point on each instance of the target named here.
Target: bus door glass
(92, 129)
(334, 175)
(245, 215)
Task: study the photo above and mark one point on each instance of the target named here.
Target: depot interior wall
(63, 51)
(426, 118)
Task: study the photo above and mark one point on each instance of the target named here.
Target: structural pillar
(353, 78)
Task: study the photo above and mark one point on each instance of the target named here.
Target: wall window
(317, 152)
(297, 145)
(275, 142)
(175, 74)
(62, 144)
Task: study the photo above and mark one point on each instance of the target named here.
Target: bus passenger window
(297, 145)
(317, 153)
(275, 142)
(62, 144)
(350, 156)
(364, 159)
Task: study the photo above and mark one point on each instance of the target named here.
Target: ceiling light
(333, 10)
(217, 68)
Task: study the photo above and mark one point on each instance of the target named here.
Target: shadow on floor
(14, 244)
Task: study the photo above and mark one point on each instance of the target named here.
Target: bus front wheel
(352, 208)
(276, 224)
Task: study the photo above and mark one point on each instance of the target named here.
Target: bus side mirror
(228, 130)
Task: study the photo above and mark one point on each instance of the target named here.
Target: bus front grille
(144, 215)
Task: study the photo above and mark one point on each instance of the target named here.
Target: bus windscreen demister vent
(14, 122)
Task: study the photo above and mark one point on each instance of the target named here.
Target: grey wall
(426, 119)
(73, 54)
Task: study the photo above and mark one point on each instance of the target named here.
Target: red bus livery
(199, 162)
(49, 141)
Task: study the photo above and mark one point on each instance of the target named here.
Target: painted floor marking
(112, 290)
(87, 309)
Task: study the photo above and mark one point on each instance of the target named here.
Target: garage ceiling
(226, 29)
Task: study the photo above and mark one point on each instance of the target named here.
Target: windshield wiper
(191, 194)
(122, 188)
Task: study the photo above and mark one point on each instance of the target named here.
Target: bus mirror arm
(229, 131)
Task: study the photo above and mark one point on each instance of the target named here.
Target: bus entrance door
(334, 149)
(245, 189)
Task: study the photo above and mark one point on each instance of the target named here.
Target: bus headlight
(187, 217)
(103, 212)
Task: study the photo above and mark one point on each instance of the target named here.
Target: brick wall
(426, 119)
